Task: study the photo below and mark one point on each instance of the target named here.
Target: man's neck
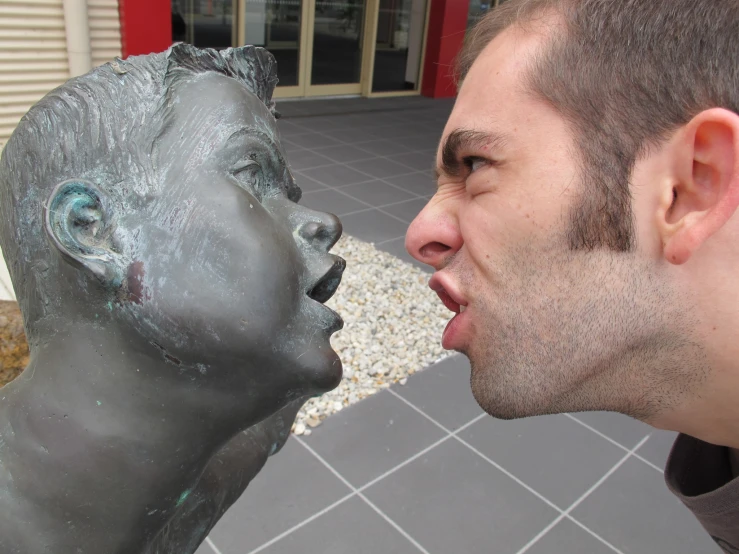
(98, 443)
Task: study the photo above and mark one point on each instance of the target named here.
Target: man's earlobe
(704, 193)
(79, 222)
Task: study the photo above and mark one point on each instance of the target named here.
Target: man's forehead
(494, 89)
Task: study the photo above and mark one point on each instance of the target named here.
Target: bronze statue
(172, 290)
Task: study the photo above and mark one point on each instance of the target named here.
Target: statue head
(150, 200)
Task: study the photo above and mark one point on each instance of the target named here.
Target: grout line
(424, 414)
(594, 534)
(419, 454)
(364, 487)
(358, 145)
(582, 498)
(389, 240)
(370, 207)
(363, 497)
(303, 523)
(621, 446)
(483, 456)
(365, 202)
(397, 527)
(212, 545)
(509, 474)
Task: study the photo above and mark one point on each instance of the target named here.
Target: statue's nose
(323, 231)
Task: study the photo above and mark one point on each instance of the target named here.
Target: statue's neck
(91, 442)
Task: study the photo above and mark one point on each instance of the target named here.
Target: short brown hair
(624, 74)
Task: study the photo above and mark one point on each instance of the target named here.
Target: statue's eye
(249, 174)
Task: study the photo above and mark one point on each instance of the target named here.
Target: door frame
(305, 55)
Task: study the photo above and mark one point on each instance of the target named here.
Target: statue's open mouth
(327, 285)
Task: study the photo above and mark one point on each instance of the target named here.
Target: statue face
(228, 272)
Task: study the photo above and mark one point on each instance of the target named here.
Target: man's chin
(499, 399)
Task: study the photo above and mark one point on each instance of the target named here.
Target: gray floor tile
(336, 175)
(381, 147)
(552, 454)
(290, 148)
(305, 159)
(568, 538)
(657, 448)
(352, 135)
(307, 184)
(320, 124)
(415, 142)
(204, 549)
(292, 486)
(443, 392)
(384, 131)
(372, 437)
(396, 247)
(451, 500)
(380, 168)
(407, 211)
(288, 129)
(420, 161)
(351, 528)
(377, 193)
(636, 513)
(313, 140)
(331, 201)
(624, 430)
(419, 183)
(344, 153)
(373, 226)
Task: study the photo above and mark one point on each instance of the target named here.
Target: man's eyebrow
(460, 140)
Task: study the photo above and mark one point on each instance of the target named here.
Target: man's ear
(705, 183)
(79, 222)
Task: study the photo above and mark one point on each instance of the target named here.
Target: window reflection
(398, 47)
(337, 41)
(275, 25)
(203, 23)
(479, 8)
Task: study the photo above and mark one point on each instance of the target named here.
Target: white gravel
(392, 328)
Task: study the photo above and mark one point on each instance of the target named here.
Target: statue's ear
(79, 222)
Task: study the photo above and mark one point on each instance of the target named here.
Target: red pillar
(146, 26)
(447, 26)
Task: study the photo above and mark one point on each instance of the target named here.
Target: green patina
(183, 497)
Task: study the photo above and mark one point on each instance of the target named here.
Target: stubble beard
(580, 331)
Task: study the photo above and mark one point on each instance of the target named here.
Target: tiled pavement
(419, 468)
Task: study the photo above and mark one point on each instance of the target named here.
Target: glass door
(318, 44)
(203, 23)
(278, 26)
(322, 47)
(336, 45)
(398, 45)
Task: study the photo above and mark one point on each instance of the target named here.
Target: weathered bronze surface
(172, 291)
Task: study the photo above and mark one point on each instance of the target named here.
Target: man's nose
(433, 236)
(322, 230)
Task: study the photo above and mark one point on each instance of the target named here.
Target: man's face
(229, 272)
(547, 329)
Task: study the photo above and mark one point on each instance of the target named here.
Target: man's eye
(474, 163)
(249, 173)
